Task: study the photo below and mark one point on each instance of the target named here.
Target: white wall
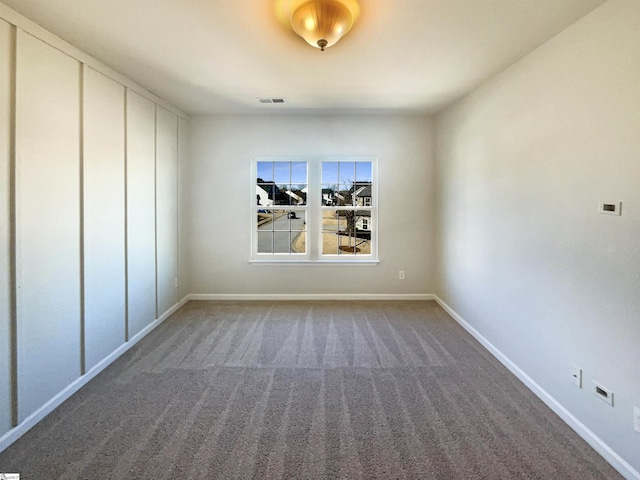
(6, 54)
(217, 203)
(76, 251)
(524, 257)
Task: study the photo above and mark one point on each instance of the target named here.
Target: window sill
(316, 263)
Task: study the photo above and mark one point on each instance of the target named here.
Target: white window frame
(313, 213)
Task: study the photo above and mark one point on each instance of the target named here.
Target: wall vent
(271, 100)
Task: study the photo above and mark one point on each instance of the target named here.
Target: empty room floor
(305, 389)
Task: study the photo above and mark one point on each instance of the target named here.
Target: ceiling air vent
(271, 100)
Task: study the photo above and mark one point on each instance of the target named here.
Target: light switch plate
(576, 375)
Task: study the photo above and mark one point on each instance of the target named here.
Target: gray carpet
(305, 390)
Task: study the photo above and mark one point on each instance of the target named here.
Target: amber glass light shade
(322, 22)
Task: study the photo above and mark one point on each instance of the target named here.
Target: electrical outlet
(636, 419)
(602, 392)
(175, 282)
(610, 208)
(576, 375)
(401, 275)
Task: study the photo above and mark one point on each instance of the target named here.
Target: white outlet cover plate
(636, 419)
(598, 391)
(617, 211)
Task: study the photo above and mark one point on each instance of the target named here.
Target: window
(314, 210)
(281, 195)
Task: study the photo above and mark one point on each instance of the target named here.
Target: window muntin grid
(280, 184)
(335, 207)
(347, 186)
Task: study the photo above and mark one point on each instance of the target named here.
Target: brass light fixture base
(322, 23)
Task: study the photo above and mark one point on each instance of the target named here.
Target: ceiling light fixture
(321, 23)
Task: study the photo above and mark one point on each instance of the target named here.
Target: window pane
(282, 172)
(265, 242)
(290, 220)
(346, 232)
(298, 194)
(329, 220)
(345, 244)
(363, 172)
(362, 194)
(265, 194)
(299, 172)
(351, 244)
(347, 172)
(362, 224)
(341, 220)
(282, 231)
(343, 196)
(265, 172)
(265, 220)
(329, 243)
(281, 183)
(343, 183)
(298, 227)
(280, 195)
(330, 228)
(298, 241)
(330, 172)
(329, 194)
(280, 221)
(281, 242)
(363, 248)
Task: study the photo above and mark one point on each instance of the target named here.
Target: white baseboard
(312, 296)
(616, 461)
(29, 422)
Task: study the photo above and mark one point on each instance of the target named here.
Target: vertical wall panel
(104, 210)
(183, 155)
(167, 208)
(47, 221)
(5, 243)
(141, 222)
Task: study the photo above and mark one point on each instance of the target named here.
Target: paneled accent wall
(104, 216)
(167, 207)
(183, 261)
(88, 219)
(47, 221)
(6, 55)
(141, 215)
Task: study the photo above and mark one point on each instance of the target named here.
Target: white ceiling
(218, 56)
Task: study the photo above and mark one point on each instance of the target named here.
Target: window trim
(314, 209)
